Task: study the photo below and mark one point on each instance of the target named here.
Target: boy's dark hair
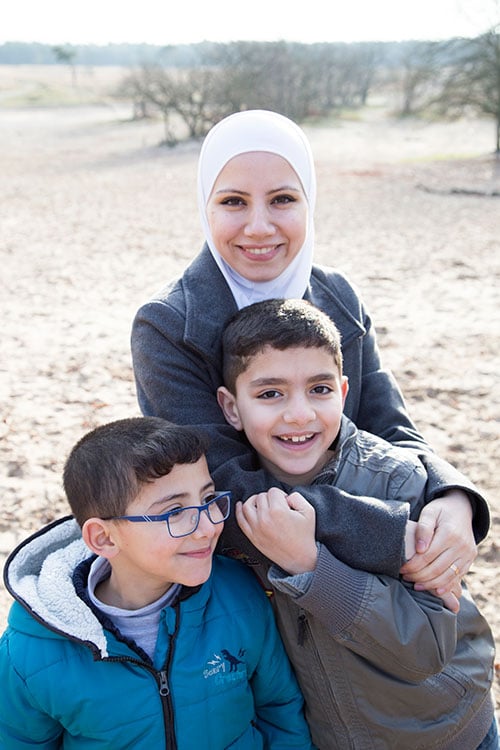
(279, 323)
(106, 468)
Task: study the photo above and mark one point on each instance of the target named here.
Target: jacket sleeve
(22, 723)
(176, 383)
(278, 700)
(406, 633)
(375, 402)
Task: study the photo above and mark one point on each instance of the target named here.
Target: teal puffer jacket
(68, 682)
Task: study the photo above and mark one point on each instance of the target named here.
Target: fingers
(450, 601)
(426, 527)
(442, 582)
(441, 574)
(298, 502)
(455, 569)
(282, 527)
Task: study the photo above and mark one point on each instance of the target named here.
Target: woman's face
(257, 213)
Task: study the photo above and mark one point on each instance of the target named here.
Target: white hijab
(259, 130)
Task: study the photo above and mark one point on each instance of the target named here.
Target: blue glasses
(184, 521)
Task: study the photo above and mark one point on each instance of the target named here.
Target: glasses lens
(183, 521)
(218, 508)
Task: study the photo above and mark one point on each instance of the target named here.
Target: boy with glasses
(126, 632)
(380, 664)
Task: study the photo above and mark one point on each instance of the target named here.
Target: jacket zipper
(161, 679)
(302, 634)
(164, 689)
(168, 709)
(301, 627)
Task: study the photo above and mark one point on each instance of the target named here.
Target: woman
(256, 194)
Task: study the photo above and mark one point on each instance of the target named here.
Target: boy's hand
(282, 527)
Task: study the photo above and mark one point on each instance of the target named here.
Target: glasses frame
(165, 517)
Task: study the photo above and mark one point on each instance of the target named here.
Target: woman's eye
(284, 199)
(232, 201)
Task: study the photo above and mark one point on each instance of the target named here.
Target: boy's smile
(289, 403)
(147, 560)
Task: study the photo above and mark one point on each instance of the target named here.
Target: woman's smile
(257, 213)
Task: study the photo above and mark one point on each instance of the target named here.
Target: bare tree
(295, 79)
(267, 75)
(66, 56)
(473, 83)
(418, 73)
(190, 96)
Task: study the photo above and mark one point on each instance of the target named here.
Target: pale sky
(187, 21)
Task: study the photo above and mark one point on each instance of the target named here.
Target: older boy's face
(289, 403)
(149, 559)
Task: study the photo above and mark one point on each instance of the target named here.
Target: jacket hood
(39, 575)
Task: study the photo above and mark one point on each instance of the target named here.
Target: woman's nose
(258, 222)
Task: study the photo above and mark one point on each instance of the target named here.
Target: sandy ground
(94, 216)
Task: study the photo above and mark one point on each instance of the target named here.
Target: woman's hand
(445, 546)
(282, 527)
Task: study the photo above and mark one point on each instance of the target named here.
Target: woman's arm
(178, 381)
(375, 404)
(176, 356)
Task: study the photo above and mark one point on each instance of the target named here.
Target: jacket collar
(39, 574)
(209, 304)
(47, 575)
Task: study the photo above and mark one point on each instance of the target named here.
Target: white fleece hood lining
(41, 574)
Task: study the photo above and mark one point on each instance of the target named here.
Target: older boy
(148, 642)
(380, 664)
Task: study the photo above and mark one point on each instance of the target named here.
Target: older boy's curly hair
(280, 324)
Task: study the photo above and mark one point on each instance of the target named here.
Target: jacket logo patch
(226, 667)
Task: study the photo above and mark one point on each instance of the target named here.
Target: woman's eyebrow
(231, 190)
(291, 188)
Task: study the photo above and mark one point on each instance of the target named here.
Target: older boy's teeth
(296, 438)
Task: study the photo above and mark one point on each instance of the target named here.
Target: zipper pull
(301, 622)
(164, 688)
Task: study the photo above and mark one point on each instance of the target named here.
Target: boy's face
(148, 559)
(289, 403)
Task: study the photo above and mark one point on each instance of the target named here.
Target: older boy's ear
(227, 403)
(97, 536)
(344, 388)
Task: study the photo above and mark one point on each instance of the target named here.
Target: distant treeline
(176, 56)
(201, 83)
(34, 53)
